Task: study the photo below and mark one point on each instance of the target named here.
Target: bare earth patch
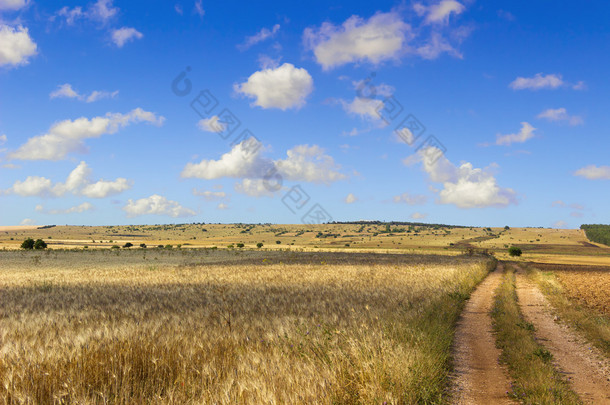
(479, 377)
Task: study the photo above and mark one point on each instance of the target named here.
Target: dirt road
(585, 367)
(479, 378)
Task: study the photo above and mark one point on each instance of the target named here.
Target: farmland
(212, 326)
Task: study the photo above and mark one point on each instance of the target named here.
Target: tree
(278, 242)
(128, 245)
(506, 228)
(240, 245)
(259, 245)
(28, 244)
(143, 245)
(40, 244)
(514, 251)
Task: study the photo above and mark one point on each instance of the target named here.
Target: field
(228, 326)
(542, 245)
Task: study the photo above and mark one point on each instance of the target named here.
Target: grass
(594, 325)
(534, 378)
(229, 327)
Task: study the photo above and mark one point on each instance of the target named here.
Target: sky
(453, 111)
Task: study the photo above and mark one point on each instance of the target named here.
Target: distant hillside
(597, 233)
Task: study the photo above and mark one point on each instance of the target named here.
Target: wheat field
(139, 327)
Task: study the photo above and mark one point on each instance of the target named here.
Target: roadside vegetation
(579, 294)
(534, 378)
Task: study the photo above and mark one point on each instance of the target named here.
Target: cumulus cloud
(464, 186)
(593, 172)
(310, 164)
(69, 136)
(67, 91)
(211, 124)
(125, 34)
(560, 114)
(381, 37)
(77, 209)
(410, 199)
(222, 206)
(366, 108)
(283, 87)
(526, 133)
(350, 199)
(253, 188)
(27, 222)
(78, 182)
(541, 81)
(156, 205)
(439, 13)
(16, 46)
(418, 215)
(260, 36)
(560, 224)
(245, 161)
(102, 11)
(13, 4)
(3, 139)
(436, 46)
(210, 195)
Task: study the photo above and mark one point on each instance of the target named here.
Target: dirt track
(585, 368)
(479, 378)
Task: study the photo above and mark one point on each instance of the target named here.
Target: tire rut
(478, 377)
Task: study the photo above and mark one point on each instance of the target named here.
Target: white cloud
(125, 34)
(222, 206)
(381, 37)
(464, 186)
(16, 46)
(67, 91)
(310, 164)
(77, 209)
(156, 205)
(101, 11)
(435, 47)
(560, 224)
(3, 139)
(210, 195)
(283, 87)
(418, 215)
(179, 9)
(540, 81)
(211, 124)
(78, 183)
(350, 199)
(260, 36)
(242, 161)
(103, 188)
(439, 13)
(245, 161)
(363, 107)
(560, 114)
(198, 9)
(526, 133)
(558, 203)
(593, 172)
(410, 199)
(253, 188)
(27, 222)
(68, 136)
(13, 4)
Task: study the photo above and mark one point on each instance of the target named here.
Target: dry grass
(535, 380)
(213, 327)
(579, 294)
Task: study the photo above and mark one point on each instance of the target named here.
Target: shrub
(230, 246)
(40, 244)
(240, 245)
(169, 246)
(128, 245)
(278, 242)
(115, 247)
(143, 245)
(259, 245)
(514, 251)
(28, 244)
(506, 228)
(160, 246)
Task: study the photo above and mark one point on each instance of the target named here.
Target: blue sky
(96, 123)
